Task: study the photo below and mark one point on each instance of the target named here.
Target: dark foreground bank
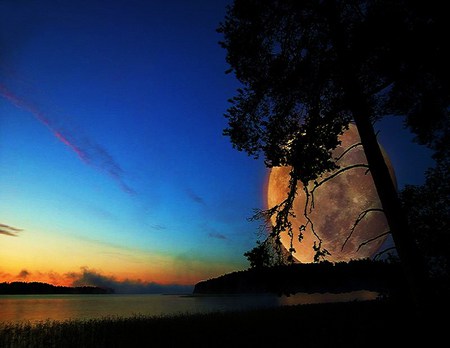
(351, 324)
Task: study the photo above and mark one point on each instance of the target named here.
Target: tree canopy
(304, 64)
(428, 212)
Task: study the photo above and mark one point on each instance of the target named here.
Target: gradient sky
(113, 163)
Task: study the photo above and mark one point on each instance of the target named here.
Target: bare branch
(347, 151)
(282, 213)
(319, 251)
(384, 251)
(336, 173)
(372, 239)
(357, 221)
(341, 170)
(305, 213)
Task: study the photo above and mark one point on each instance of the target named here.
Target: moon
(338, 203)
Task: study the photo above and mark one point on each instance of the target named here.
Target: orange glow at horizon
(61, 260)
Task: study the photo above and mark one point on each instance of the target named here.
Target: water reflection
(35, 308)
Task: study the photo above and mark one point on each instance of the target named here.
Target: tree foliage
(261, 255)
(428, 212)
(303, 63)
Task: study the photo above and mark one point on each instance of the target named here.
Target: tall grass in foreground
(351, 324)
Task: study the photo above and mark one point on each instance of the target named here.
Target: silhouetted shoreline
(379, 276)
(38, 288)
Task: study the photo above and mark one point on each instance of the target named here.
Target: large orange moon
(337, 205)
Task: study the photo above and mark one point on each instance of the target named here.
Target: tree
(260, 256)
(428, 211)
(310, 67)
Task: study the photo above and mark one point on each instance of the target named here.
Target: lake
(35, 308)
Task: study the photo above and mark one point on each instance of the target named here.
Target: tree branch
(384, 251)
(317, 248)
(282, 212)
(372, 239)
(357, 221)
(347, 151)
(336, 173)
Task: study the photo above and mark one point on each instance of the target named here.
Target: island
(38, 288)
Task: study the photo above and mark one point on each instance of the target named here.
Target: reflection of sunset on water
(64, 307)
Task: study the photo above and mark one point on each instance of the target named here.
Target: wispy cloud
(212, 232)
(89, 277)
(195, 197)
(158, 227)
(9, 230)
(217, 236)
(87, 150)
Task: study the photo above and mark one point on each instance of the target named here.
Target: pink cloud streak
(90, 153)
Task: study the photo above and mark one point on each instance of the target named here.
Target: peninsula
(380, 276)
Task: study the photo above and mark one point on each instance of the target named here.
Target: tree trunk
(410, 257)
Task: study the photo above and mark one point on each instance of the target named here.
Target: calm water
(14, 308)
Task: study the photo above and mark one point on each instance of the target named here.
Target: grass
(350, 324)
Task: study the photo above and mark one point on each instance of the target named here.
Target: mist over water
(35, 308)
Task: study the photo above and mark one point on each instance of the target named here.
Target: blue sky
(111, 119)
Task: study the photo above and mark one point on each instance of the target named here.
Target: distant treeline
(380, 276)
(37, 288)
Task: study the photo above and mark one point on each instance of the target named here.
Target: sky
(114, 169)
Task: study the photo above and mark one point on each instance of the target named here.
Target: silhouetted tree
(310, 67)
(428, 211)
(261, 255)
